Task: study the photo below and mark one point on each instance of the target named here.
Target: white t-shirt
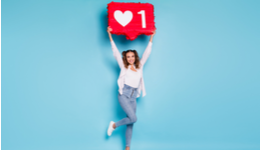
(132, 78)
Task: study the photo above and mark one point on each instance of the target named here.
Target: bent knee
(133, 119)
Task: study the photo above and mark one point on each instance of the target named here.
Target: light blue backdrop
(59, 77)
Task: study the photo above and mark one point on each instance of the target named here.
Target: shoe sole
(110, 125)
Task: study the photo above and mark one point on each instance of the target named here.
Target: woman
(130, 84)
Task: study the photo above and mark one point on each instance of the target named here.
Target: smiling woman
(131, 57)
(59, 88)
(130, 84)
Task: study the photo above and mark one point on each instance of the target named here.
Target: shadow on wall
(118, 39)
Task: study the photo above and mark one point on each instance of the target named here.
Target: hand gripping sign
(131, 19)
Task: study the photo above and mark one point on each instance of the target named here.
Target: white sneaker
(110, 128)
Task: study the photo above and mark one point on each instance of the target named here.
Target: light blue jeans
(128, 103)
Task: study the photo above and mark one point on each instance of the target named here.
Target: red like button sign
(131, 19)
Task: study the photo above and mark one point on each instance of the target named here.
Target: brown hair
(137, 62)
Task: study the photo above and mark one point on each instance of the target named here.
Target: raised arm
(116, 52)
(147, 51)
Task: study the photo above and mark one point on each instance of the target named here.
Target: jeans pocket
(127, 93)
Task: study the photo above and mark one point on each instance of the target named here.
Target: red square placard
(131, 19)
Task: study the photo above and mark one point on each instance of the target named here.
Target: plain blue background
(59, 77)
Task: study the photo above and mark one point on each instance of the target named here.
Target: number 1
(142, 12)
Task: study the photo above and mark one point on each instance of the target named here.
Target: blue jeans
(128, 103)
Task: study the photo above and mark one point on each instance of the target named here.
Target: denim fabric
(128, 103)
(130, 92)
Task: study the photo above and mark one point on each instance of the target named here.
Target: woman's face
(130, 57)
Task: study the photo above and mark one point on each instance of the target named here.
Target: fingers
(153, 33)
(109, 29)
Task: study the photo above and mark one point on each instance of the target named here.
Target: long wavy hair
(137, 62)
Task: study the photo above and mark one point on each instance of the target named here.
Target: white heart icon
(123, 18)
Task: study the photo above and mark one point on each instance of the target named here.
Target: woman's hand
(109, 29)
(109, 34)
(153, 33)
(151, 38)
